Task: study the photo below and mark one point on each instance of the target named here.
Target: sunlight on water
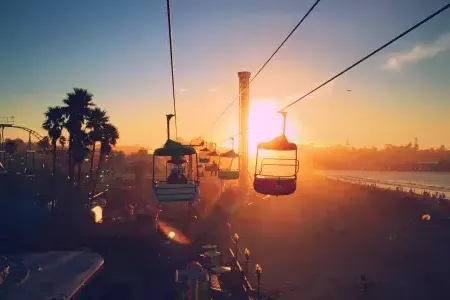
(418, 181)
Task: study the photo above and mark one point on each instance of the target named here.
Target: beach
(317, 243)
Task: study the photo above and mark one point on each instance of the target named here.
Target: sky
(119, 51)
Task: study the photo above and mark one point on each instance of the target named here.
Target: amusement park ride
(177, 187)
(281, 184)
(8, 122)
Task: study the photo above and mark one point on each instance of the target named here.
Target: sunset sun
(265, 123)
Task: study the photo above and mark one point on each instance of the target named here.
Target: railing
(7, 120)
(293, 163)
(234, 254)
(236, 284)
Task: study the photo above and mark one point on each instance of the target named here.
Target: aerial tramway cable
(417, 25)
(171, 66)
(269, 59)
(444, 8)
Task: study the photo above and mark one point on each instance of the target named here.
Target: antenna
(169, 116)
(284, 121)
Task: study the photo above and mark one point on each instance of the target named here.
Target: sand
(318, 243)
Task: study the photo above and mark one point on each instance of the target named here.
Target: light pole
(236, 243)
(169, 116)
(247, 260)
(258, 271)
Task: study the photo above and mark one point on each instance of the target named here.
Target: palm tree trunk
(70, 158)
(54, 158)
(92, 163)
(79, 174)
(97, 173)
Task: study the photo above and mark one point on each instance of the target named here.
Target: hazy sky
(118, 50)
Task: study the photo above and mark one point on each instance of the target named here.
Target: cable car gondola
(212, 167)
(231, 172)
(175, 185)
(204, 157)
(268, 180)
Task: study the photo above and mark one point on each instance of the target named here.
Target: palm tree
(62, 142)
(110, 135)
(78, 106)
(44, 143)
(10, 146)
(80, 151)
(54, 124)
(95, 122)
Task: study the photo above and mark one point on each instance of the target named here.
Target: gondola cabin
(276, 167)
(214, 158)
(229, 166)
(179, 182)
(204, 157)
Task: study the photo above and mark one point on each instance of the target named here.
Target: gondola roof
(177, 160)
(279, 143)
(172, 148)
(230, 154)
(213, 153)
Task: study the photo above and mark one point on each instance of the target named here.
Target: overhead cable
(444, 8)
(269, 59)
(171, 67)
(361, 60)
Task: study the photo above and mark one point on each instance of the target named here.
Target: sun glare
(265, 123)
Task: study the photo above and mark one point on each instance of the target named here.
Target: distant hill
(129, 149)
(132, 149)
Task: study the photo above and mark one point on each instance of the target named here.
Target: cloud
(418, 53)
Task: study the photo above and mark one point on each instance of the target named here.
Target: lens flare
(172, 233)
(98, 214)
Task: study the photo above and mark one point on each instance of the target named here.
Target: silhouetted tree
(10, 147)
(110, 135)
(80, 151)
(21, 145)
(44, 143)
(78, 107)
(54, 124)
(96, 122)
(63, 142)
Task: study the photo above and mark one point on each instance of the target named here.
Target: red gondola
(269, 179)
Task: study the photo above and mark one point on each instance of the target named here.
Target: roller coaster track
(30, 131)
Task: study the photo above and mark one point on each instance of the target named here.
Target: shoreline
(378, 170)
(412, 188)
